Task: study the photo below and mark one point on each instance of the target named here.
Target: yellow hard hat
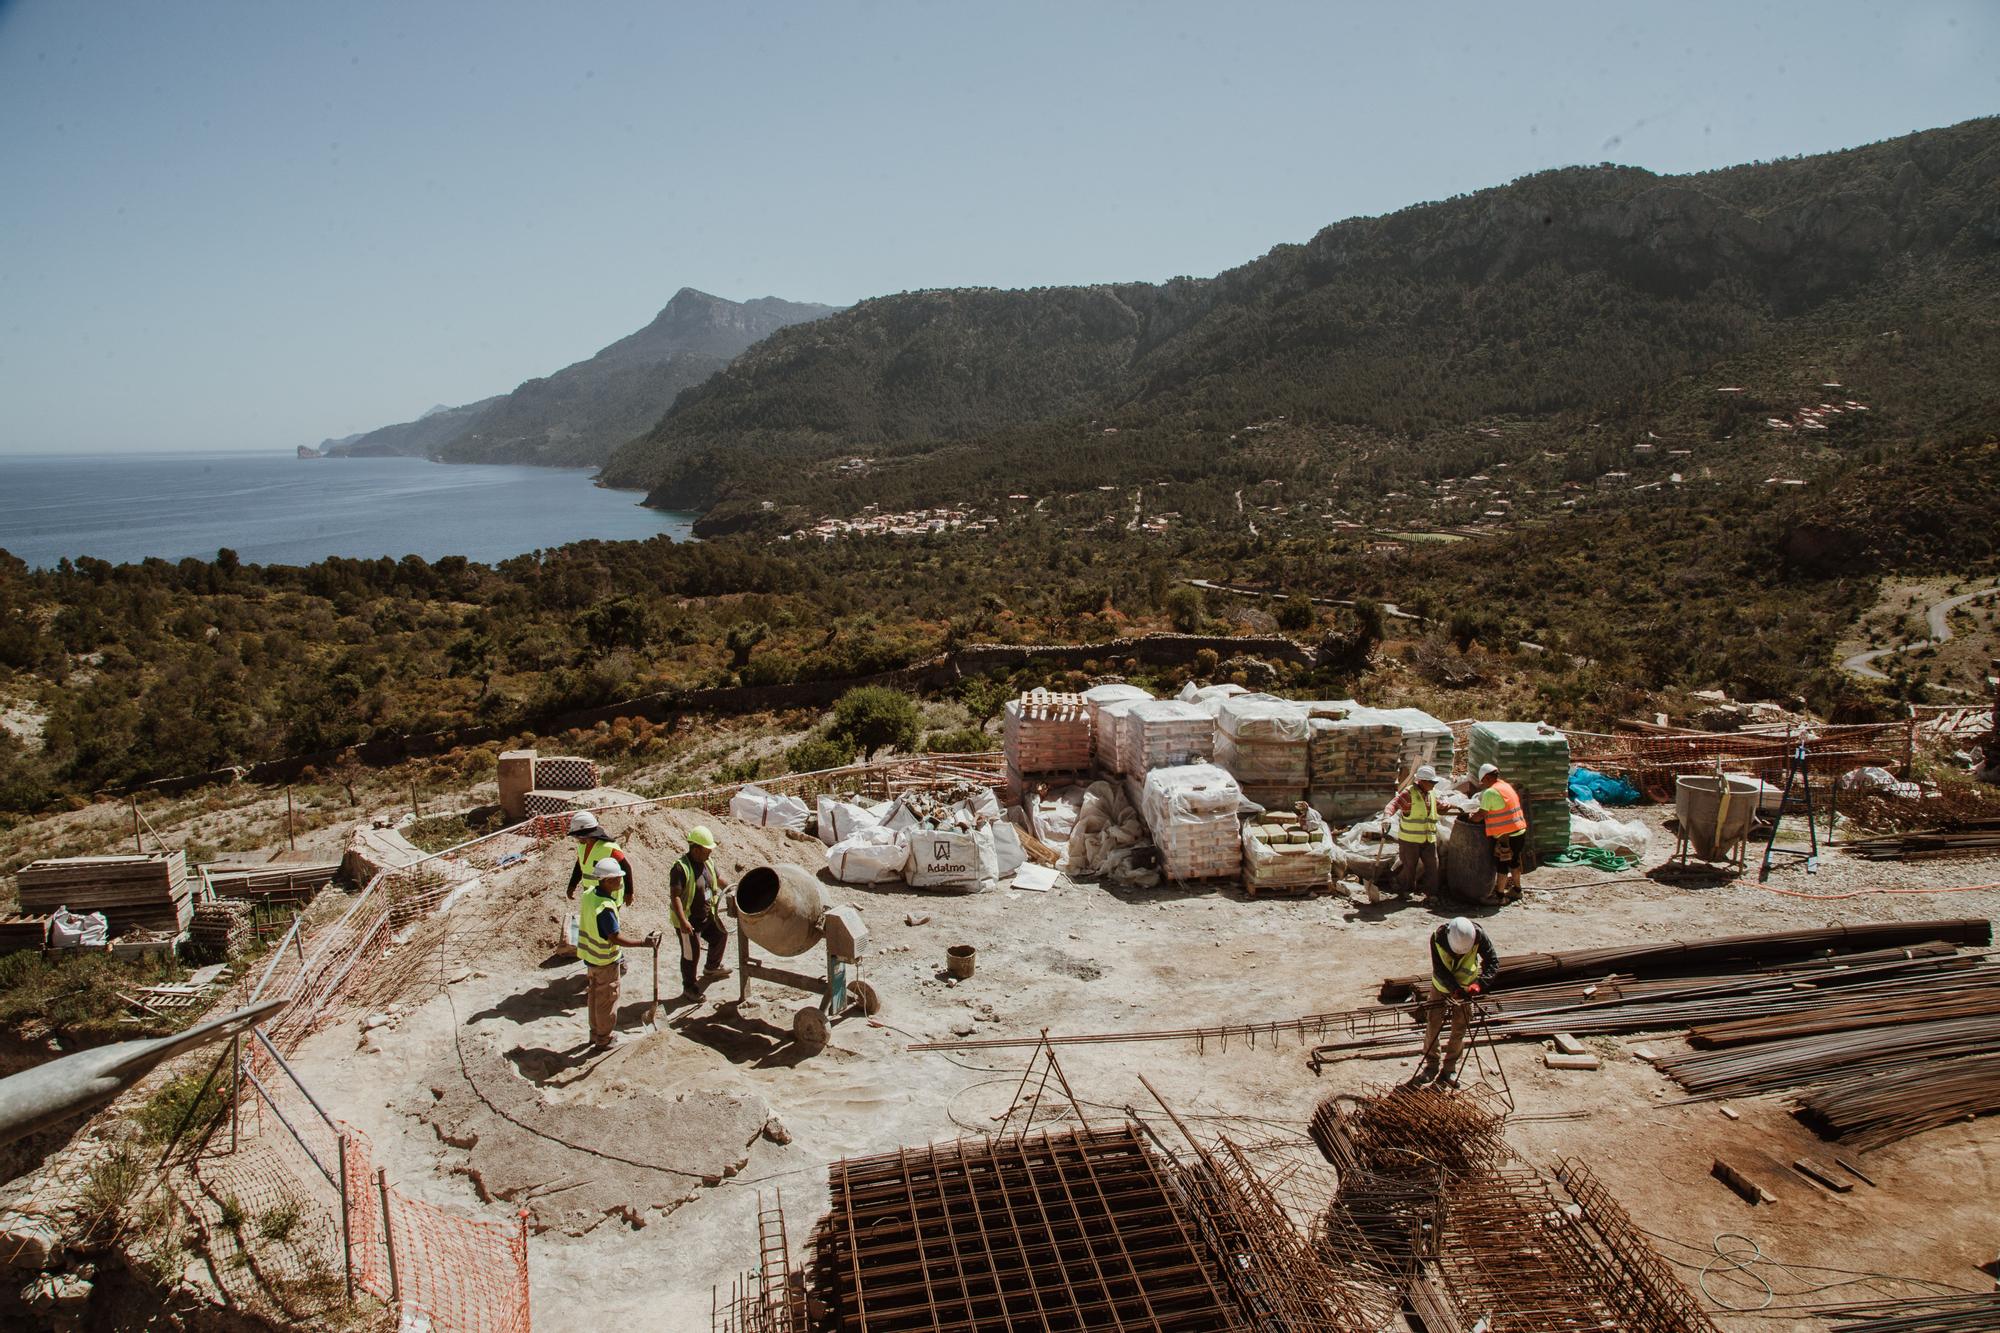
(699, 836)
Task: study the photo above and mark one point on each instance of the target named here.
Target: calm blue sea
(276, 509)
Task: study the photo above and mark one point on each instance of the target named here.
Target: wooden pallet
(1311, 889)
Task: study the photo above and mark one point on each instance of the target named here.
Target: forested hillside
(1571, 293)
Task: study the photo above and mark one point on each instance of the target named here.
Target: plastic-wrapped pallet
(1357, 764)
(1280, 853)
(1046, 733)
(1209, 698)
(1103, 748)
(1191, 811)
(1163, 733)
(1534, 758)
(1110, 722)
(1262, 741)
(1425, 739)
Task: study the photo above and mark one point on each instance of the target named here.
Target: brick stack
(148, 892)
(1284, 856)
(1357, 763)
(1191, 813)
(1534, 758)
(1046, 734)
(1103, 739)
(1263, 742)
(1163, 733)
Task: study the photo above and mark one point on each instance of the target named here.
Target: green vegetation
(181, 1100)
(1595, 411)
(75, 995)
(874, 718)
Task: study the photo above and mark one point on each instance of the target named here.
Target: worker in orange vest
(1505, 820)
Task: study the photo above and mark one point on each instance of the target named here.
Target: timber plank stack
(22, 932)
(149, 891)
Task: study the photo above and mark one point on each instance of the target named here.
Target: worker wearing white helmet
(1505, 820)
(600, 943)
(593, 844)
(1415, 808)
(1463, 965)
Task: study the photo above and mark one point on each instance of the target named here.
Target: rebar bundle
(1872, 1109)
(1681, 957)
(1925, 1314)
(1775, 1066)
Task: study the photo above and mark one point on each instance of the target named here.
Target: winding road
(1939, 616)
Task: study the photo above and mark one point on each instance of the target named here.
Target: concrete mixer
(782, 910)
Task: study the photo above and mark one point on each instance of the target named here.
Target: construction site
(1114, 1028)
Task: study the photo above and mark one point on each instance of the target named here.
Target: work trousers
(1418, 867)
(603, 1001)
(706, 929)
(1461, 1019)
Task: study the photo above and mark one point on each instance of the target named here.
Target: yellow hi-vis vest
(592, 947)
(1465, 969)
(692, 881)
(1420, 824)
(588, 854)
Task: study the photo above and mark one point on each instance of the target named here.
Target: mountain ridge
(577, 415)
(1567, 290)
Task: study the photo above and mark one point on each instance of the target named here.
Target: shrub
(874, 717)
(964, 740)
(1297, 613)
(1186, 609)
(817, 752)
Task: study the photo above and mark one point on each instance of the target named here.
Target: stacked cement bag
(1356, 764)
(1425, 739)
(1104, 748)
(1280, 852)
(1163, 733)
(1534, 758)
(1209, 698)
(1191, 811)
(1263, 742)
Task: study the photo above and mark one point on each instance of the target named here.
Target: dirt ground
(644, 1169)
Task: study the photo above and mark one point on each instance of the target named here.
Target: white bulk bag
(871, 856)
(757, 807)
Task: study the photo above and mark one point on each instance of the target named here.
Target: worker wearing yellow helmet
(695, 894)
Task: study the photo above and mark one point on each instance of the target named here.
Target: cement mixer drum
(780, 909)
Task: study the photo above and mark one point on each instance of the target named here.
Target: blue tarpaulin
(1587, 784)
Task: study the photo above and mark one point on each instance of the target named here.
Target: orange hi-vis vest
(1507, 818)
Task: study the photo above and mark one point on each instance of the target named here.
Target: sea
(283, 510)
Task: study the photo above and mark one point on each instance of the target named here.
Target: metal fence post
(346, 1230)
(388, 1236)
(235, 1085)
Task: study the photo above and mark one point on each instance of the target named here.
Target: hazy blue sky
(256, 225)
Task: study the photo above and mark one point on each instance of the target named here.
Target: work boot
(1426, 1071)
(689, 996)
(1448, 1081)
(715, 973)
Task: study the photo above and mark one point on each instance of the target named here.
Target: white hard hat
(1460, 934)
(1488, 770)
(1425, 774)
(608, 868)
(583, 822)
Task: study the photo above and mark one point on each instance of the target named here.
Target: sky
(253, 226)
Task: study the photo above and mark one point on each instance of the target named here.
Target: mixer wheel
(810, 1028)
